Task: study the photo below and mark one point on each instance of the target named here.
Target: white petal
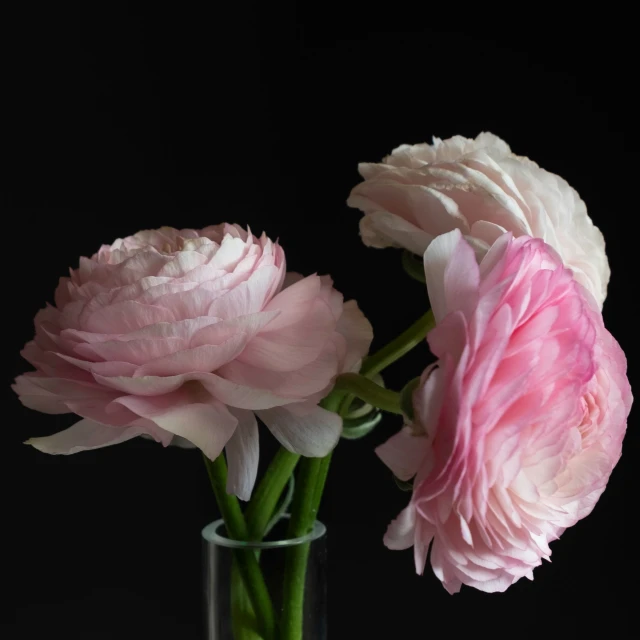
(242, 455)
(82, 436)
(304, 428)
(436, 258)
(486, 231)
(396, 231)
(462, 279)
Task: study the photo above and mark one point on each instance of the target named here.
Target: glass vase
(228, 611)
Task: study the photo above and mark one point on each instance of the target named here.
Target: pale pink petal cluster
(479, 187)
(189, 335)
(518, 425)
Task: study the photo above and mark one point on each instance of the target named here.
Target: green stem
(258, 515)
(393, 351)
(369, 392)
(321, 479)
(243, 620)
(246, 559)
(266, 495)
(312, 475)
(399, 346)
(414, 266)
(303, 512)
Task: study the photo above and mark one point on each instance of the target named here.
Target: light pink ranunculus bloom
(480, 187)
(188, 336)
(518, 425)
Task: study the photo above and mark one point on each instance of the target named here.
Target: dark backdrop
(120, 121)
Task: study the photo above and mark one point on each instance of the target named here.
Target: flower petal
(123, 317)
(207, 424)
(400, 533)
(248, 297)
(292, 347)
(204, 358)
(298, 384)
(403, 453)
(436, 259)
(82, 436)
(304, 428)
(34, 397)
(242, 455)
(294, 302)
(396, 231)
(358, 333)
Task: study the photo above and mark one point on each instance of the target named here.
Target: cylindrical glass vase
(228, 611)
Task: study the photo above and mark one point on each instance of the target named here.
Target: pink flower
(481, 188)
(189, 335)
(520, 423)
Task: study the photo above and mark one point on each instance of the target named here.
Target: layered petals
(479, 187)
(519, 424)
(185, 337)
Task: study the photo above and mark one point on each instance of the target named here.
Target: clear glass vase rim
(210, 534)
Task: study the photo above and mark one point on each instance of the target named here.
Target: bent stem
(266, 495)
(399, 346)
(394, 350)
(246, 561)
(312, 476)
(360, 387)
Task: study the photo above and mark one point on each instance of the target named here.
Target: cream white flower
(478, 186)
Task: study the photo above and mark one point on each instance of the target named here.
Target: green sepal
(354, 429)
(403, 485)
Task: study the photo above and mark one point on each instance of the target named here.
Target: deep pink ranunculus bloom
(518, 425)
(187, 336)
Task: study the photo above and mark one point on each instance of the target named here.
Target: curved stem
(246, 560)
(413, 266)
(392, 351)
(266, 495)
(399, 346)
(312, 475)
(369, 392)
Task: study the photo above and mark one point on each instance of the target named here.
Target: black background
(187, 117)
